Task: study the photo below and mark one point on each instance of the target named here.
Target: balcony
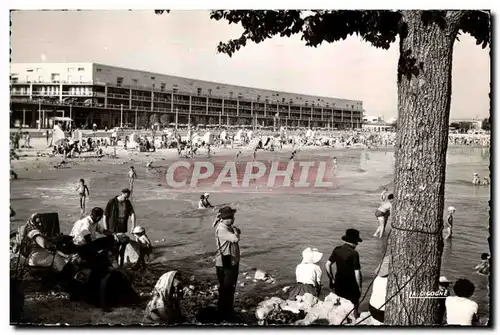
(118, 96)
(141, 98)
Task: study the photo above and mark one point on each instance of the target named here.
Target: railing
(118, 96)
(141, 98)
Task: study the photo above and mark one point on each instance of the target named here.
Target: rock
(260, 275)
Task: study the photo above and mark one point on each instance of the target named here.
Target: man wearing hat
(118, 210)
(347, 282)
(227, 260)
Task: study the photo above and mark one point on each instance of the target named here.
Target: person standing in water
(449, 222)
(132, 176)
(382, 214)
(83, 192)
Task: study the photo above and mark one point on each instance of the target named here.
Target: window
(209, 91)
(230, 94)
(82, 79)
(14, 79)
(198, 91)
(134, 81)
(81, 69)
(267, 100)
(162, 86)
(153, 78)
(71, 69)
(175, 89)
(277, 94)
(119, 81)
(70, 79)
(40, 79)
(54, 77)
(218, 87)
(283, 100)
(29, 70)
(98, 70)
(154, 86)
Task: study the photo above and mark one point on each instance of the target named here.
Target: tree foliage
(486, 125)
(378, 27)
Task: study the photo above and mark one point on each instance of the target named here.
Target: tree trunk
(424, 94)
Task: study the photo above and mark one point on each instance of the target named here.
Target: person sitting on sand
(37, 247)
(483, 268)
(449, 222)
(308, 274)
(476, 180)
(204, 203)
(486, 181)
(164, 305)
(145, 245)
(460, 310)
(444, 283)
(382, 214)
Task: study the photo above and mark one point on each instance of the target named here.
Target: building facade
(111, 96)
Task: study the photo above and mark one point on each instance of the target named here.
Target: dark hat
(125, 191)
(352, 236)
(226, 212)
(97, 212)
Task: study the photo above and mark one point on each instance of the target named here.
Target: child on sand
(476, 180)
(449, 222)
(83, 191)
(145, 246)
(382, 214)
(483, 268)
(132, 176)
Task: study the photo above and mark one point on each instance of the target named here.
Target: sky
(184, 43)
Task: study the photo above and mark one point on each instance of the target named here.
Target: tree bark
(424, 94)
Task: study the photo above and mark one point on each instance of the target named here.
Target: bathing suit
(386, 213)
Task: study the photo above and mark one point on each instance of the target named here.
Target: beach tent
(208, 138)
(57, 135)
(196, 138)
(77, 135)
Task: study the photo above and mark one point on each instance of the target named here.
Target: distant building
(112, 96)
(378, 126)
(474, 124)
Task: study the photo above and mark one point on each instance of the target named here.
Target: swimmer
(483, 268)
(476, 180)
(382, 214)
(254, 155)
(238, 154)
(449, 222)
(335, 162)
(83, 191)
(486, 181)
(293, 154)
(204, 203)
